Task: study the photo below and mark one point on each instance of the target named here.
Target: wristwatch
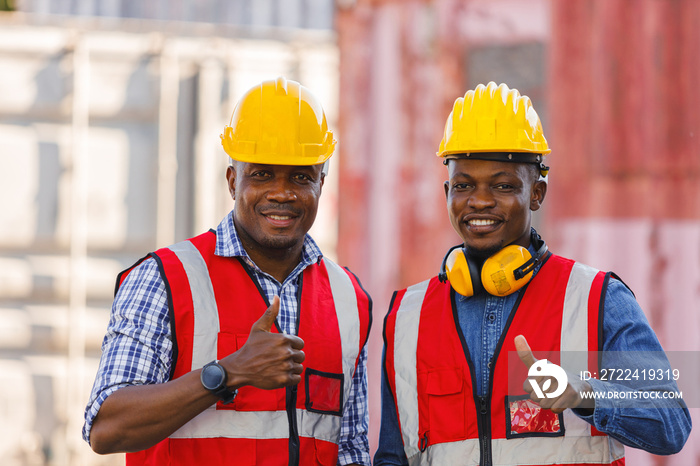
(213, 377)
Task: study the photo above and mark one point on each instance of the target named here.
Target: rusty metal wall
(624, 86)
(616, 83)
(402, 65)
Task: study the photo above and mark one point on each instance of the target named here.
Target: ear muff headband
(530, 264)
(502, 274)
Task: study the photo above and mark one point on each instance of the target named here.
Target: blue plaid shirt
(137, 348)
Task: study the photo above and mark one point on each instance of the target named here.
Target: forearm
(660, 432)
(660, 426)
(137, 417)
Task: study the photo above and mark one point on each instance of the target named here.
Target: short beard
(480, 255)
(272, 244)
(277, 243)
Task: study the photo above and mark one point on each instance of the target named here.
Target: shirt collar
(228, 244)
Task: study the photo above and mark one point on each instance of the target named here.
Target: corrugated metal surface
(403, 63)
(625, 132)
(109, 148)
(617, 87)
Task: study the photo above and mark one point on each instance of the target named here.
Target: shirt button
(604, 422)
(492, 317)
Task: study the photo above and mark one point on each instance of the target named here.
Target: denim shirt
(483, 318)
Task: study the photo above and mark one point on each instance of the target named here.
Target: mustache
(279, 209)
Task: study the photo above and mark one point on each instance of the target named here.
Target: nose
(281, 190)
(481, 198)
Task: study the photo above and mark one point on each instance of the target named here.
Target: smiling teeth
(481, 222)
(279, 217)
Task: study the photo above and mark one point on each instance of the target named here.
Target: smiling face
(275, 205)
(490, 203)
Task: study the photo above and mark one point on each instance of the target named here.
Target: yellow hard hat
(279, 122)
(493, 119)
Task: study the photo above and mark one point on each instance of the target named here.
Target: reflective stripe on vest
(206, 314)
(464, 452)
(405, 344)
(262, 424)
(345, 301)
(574, 336)
(258, 424)
(578, 445)
(522, 451)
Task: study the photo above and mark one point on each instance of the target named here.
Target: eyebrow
(495, 175)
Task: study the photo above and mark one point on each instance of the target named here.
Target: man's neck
(278, 263)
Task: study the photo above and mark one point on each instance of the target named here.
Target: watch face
(212, 376)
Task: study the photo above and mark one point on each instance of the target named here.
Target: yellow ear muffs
(456, 271)
(498, 272)
(502, 274)
(462, 273)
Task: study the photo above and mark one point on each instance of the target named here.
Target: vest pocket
(525, 418)
(446, 406)
(324, 392)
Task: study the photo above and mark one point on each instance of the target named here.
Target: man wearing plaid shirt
(243, 345)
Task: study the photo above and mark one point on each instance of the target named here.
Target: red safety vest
(443, 421)
(260, 427)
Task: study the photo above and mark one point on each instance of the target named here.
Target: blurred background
(110, 115)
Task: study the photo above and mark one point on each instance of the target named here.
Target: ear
(231, 178)
(539, 191)
(447, 188)
(321, 174)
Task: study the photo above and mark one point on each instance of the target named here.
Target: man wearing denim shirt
(243, 345)
(448, 391)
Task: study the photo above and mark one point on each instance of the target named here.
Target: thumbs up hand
(267, 320)
(545, 389)
(267, 360)
(524, 351)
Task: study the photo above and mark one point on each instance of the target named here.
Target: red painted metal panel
(624, 194)
(624, 100)
(623, 121)
(398, 83)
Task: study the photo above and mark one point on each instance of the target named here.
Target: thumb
(524, 351)
(267, 320)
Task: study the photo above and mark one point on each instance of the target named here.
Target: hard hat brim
(507, 156)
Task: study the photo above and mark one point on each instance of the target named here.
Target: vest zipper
(291, 404)
(483, 403)
(485, 429)
(292, 394)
